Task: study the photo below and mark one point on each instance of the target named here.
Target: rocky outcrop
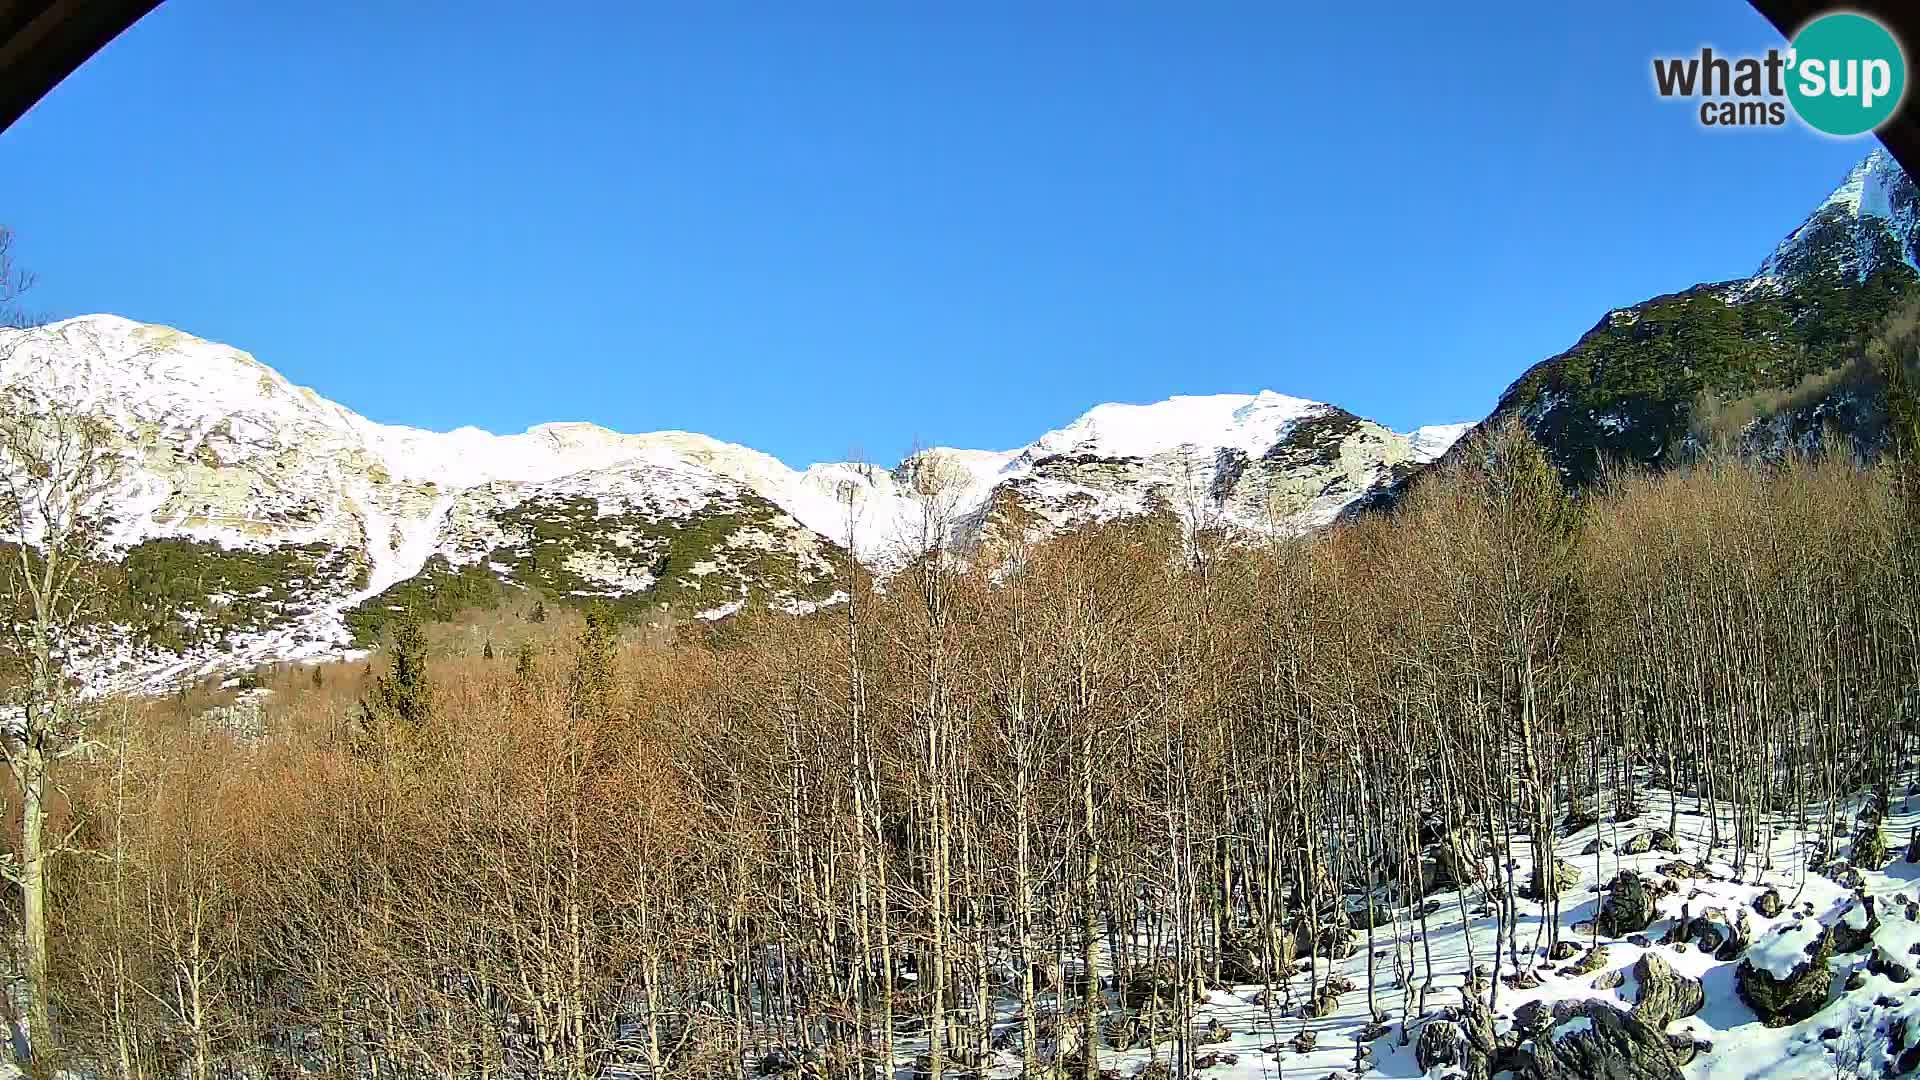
(1441, 1043)
(1565, 876)
(1334, 941)
(1870, 847)
(1567, 1040)
(1460, 1041)
(1855, 925)
(1662, 995)
(1685, 1048)
(1160, 983)
(1591, 1040)
(1714, 931)
(1891, 964)
(1628, 907)
(1784, 978)
(1134, 1029)
(1592, 960)
(1254, 461)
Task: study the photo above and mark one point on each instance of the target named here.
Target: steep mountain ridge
(310, 523)
(1769, 361)
(1869, 222)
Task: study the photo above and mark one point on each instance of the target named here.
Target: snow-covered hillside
(1434, 440)
(1672, 961)
(229, 457)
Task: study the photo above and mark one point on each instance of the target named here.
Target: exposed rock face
(1565, 876)
(1784, 978)
(1590, 961)
(1855, 925)
(1243, 956)
(1251, 462)
(243, 719)
(1868, 223)
(1684, 1048)
(1663, 995)
(1714, 931)
(1854, 928)
(1441, 1043)
(1891, 963)
(1594, 1041)
(1336, 942)
(1628, 907)
(1159, 982)
(1460, 1041)
(1456, 859)
(1870, 848)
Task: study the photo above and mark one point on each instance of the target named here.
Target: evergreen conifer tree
(399, 708)
(591, 688)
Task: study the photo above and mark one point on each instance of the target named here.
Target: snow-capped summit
(1870, 186)
(1430, 442)
(1250, 422)
(1262, 462)
(1870, 220)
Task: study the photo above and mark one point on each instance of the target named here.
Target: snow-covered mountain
(302, 523)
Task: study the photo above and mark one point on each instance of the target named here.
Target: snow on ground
(1741, 1045)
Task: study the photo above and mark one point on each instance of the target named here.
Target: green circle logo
(1847, 74)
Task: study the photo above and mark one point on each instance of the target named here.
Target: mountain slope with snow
(1777, 355)
(1871, 221)
(313, 524)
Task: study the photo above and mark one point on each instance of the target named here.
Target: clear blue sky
(817, 226)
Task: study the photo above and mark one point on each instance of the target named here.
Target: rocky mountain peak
(1870, 221)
